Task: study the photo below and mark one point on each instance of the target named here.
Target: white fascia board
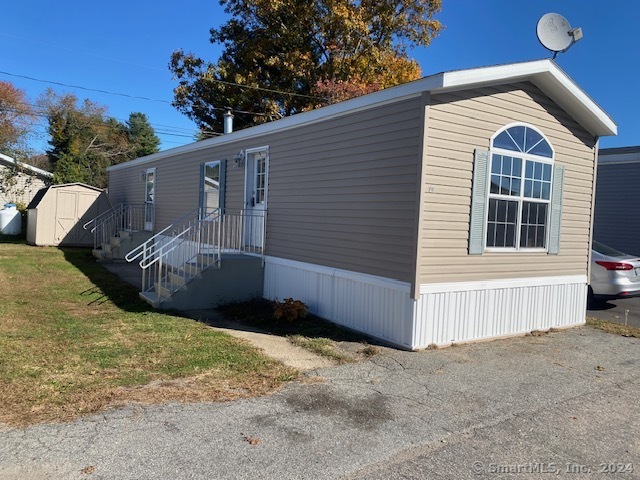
(390, 95)
(38, 171)
(547, 76)
(544, 73)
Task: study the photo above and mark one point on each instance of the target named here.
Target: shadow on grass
(254, 315)
(108, 287)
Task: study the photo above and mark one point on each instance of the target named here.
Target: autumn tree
(318, 52)
(85, 140)
(16, 120)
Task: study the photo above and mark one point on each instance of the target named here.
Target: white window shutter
(478, 220)
(556, 210)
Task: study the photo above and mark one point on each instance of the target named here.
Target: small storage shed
(57, 213)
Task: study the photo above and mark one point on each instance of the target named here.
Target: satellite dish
(555, 33)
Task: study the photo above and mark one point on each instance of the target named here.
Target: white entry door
(256, 186)
(149, 198)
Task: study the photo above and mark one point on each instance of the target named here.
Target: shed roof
(545, 74)
(40, 194)
(12, 162)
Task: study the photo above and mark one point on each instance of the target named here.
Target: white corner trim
(375, 280)
(426, 288)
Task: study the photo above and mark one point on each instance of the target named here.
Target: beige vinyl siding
(342, 193)
(177, 183)
(462, 121)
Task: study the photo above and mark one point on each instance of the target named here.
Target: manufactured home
(19, 181)
(618, 199)
(454, 208)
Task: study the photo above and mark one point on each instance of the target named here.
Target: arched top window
(520, 188)
(523, 139)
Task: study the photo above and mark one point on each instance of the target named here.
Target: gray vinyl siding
(617, 206)
(177, 183)
(342, 192)
(457, 124)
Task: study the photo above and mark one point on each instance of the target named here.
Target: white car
(613, 274)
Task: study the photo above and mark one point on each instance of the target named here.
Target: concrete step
(151, 298)
(177, 280)
(165, 289)
(192, 269)
(99, 253)
(207, 259)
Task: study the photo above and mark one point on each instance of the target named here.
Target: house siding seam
(462, 121)
(497, 308)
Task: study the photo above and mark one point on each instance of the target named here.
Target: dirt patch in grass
(312, 333)
(74, 340)
(615, 328)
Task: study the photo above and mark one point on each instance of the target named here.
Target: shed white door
(73, 208)
(256, 186)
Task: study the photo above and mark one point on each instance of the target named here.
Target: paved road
(614, 311)
(557, 402)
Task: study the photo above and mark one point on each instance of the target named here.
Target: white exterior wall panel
(463, 312)
(444, 313)
(373, 305)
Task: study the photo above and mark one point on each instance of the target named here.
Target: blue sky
(124, 47)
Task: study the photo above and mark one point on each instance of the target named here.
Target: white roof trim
(12, 161)
(543, 73)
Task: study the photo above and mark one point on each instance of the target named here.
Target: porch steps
(119, 245)
(239, 278)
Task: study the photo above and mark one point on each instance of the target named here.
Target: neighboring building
(19, 182)
(454, 208)
(618, 199)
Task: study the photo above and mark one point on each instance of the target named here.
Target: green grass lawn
(75, 340)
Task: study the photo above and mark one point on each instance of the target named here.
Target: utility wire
(106, 92)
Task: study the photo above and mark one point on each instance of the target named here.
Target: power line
(84, 88)
(106, 92)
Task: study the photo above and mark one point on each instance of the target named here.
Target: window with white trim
(212, 188)
(519, 197)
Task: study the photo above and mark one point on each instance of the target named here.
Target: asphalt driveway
(565, 403)
(619, 311)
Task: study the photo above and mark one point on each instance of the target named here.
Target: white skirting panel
(461, 312)
(373, 305)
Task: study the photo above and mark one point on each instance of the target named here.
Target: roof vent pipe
(228, 121)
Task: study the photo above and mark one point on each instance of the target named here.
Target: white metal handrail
(95, 221)
(187, 219)
(170, 262)
(122, 217)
